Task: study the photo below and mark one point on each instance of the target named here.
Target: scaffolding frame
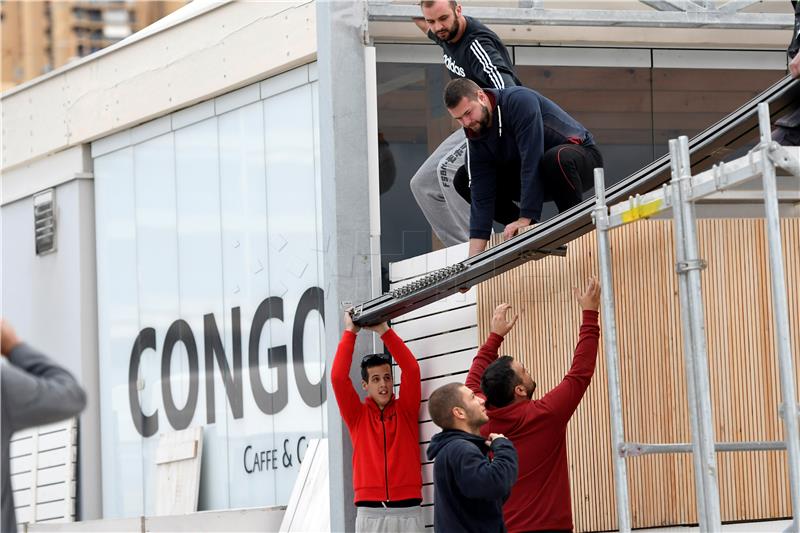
(680, 196)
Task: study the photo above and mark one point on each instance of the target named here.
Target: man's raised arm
(565, 397)
(410, 387)
(346, 396)
(487, 353)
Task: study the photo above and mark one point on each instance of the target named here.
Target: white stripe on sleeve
(488, 66)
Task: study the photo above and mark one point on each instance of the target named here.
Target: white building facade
(216, 203)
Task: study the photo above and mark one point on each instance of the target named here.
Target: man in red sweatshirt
(540, 499)
(384, 429)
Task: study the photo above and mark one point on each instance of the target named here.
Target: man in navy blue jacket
(522, 148)
(469, 487)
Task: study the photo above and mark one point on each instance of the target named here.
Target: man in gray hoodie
(33, 391)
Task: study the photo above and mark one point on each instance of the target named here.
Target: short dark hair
(441, 403)
(498, 382)
(371, 361)
(459, 88)
(429, 3)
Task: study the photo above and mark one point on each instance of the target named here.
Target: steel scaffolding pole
(611, 354)
(680, 196)
(683, 302)
(780, 307)
(689, 269)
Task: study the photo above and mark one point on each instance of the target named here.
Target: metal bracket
(782, 411)
(720, 176)
(561, 251)
(691, 264)
(781, 157)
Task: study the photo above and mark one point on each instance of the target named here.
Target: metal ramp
(713, 145)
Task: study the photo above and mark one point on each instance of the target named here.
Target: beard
(529, 389)
(483, 123)
(452, 31)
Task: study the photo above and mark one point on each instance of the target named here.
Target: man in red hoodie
(384, 429)
(540, 499)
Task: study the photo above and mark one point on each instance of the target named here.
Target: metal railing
(680, 197)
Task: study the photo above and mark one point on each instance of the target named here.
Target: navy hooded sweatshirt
(524, 126)
(470, 488)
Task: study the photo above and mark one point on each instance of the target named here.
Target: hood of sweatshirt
(440, 440)
(508, 419)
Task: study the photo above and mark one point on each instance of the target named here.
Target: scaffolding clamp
(781, 157)
(682, 267)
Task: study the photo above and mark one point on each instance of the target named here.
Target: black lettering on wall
(146, 425)
(312, 393)
(179, 331)
(232, 381)
(268, 402)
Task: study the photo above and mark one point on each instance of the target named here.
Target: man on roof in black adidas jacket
(522, 148)
(469, 50)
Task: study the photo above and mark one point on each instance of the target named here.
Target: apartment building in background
(39, 36)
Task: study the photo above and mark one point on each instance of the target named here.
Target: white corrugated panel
(43, 474)
(443, 336)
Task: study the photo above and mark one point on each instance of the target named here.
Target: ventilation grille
(44, 220)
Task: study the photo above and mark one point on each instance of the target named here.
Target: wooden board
(178, 459)
(742, 361)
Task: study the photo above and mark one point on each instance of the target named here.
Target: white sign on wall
(209, 263)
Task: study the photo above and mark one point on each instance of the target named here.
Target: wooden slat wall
(742, 360)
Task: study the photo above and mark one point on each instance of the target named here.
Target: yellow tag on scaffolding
(642, 211)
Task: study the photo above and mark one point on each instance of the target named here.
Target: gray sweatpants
(447, 212)
(385, 520)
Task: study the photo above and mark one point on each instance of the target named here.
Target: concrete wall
(51, 301)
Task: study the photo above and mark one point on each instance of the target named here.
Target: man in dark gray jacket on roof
(33, 391)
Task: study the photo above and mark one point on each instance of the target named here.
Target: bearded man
(540, 499)
(523, 150)
(473, 51)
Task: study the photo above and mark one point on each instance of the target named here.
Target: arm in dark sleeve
(487, 354)
(410, 388)
(346, 395)
(480, 478)
(483, 191)
(37, 391)
(526, 124)
(565, 397)
(487, 66)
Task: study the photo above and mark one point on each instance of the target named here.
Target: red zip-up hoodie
(540, 499)
(386, 460)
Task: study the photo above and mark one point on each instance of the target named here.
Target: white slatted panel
(42, 463)
(443, 336)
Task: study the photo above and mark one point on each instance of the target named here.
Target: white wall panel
(245, 274)
(158, 286)
(199, 233)
(294, 262)
(443, 337)
(118, 324)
